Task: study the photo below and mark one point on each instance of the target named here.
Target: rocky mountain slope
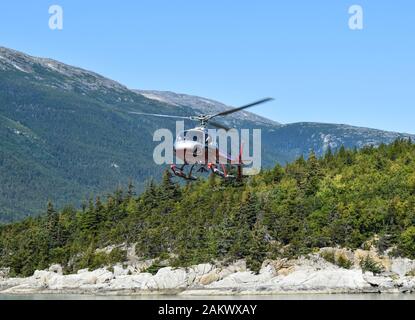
(205, 106)
(65, 134)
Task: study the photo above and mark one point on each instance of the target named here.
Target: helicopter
(196, 147)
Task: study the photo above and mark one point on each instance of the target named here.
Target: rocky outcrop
(306, 274)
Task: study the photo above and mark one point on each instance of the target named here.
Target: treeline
(342, 199)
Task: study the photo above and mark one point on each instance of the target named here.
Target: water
(366, 296)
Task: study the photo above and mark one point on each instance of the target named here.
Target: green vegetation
(64, 137)
(344, 262)
(341, 261)
(369, 264)
(343, 199)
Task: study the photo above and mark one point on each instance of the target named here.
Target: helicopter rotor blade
(219, 126)
(224, 113)
(161, 115)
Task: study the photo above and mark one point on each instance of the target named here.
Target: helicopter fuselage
(196, 146)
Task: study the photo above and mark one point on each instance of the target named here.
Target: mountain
(204, 106)
(66, 134)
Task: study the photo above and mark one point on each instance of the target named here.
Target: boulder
(120, 271)
(209, 278)
(285, 271)
(327, 280)
(201, 269)
(4, 273)
(168, 278)
(383, 283)
(56, 268)
(236, 280)
(238, 266)
(402, 266)
(132, 282)
(82, 271)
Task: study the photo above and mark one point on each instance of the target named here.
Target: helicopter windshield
(191, 135)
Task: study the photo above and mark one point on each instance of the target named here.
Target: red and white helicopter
(196, 147)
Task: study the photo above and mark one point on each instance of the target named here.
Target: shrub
(343, 262)
(368, 264)
(154, 268)
(407, 242)
(253, 264)
(411, 273)
(329, 256)
(117, 255)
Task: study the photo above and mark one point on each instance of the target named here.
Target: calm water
(368, 296)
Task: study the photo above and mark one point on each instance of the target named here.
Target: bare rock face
(332, 280)
(305, 274)
(402, 266)
(168, 278)
(56, 268)
(4, 273)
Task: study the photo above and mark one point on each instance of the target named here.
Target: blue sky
(302, 53)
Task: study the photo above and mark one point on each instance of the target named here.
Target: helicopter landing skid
(179, 172)
(219, 173)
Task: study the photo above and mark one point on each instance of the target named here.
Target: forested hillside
(342, 199)
(65, 133)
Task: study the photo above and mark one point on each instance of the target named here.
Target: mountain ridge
(66, 135)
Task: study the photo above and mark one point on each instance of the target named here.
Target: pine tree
(258, 248)
(328, 156)
(90, 220)
(312, 176)
(130, 190)
(249, 210)
(169, 189)
(52, 226)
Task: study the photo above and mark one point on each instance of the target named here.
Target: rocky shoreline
(309, 274)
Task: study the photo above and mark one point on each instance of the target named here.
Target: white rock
(236, 280)
(208, 278)
(167, 278)
(82, 271)
(323, 280)
(381, 282)
(402, 266)
(56, 268)
(120, 271)
(131, 282)
(238, 266)
(268, 271)
(202, 269)
(4, 273)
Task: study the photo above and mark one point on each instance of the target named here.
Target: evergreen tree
(169, 189)
(258, 248)
(312, 175)
(52, 226)
(131, 190)
(249, 210)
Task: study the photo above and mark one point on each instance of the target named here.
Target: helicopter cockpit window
(181, 136)
(194, 135)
